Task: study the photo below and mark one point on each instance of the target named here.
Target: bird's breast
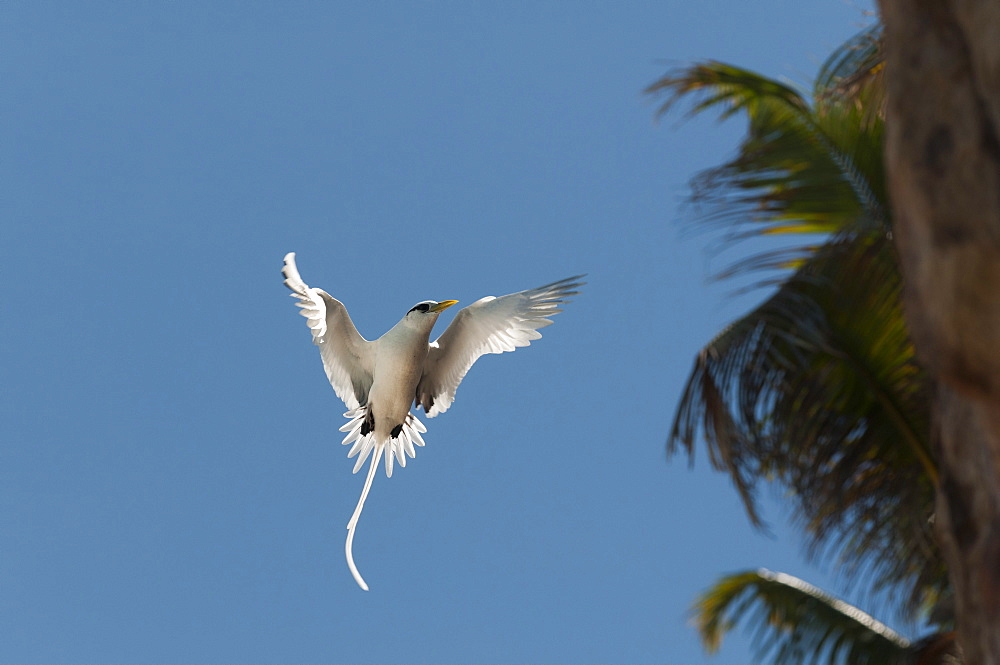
(399, 364)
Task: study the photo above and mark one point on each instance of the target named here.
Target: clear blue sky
(172, 488)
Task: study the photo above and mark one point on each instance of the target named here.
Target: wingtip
(293, 280)
(563, 285)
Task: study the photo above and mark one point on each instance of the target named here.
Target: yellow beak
(443, 305)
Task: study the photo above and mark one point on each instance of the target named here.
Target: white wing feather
(489, 325)
(348, 358)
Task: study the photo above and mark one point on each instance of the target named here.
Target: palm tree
(817, 390)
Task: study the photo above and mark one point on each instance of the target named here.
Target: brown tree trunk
(943, 163)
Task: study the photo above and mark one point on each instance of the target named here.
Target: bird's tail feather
(353, 523)
(397, 447)
(400, 446)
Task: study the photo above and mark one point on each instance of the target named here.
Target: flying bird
(379, 380)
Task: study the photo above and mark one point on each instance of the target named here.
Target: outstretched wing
(348, 358)
(489, 325)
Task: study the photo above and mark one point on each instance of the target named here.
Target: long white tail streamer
(399, 448)
(352, 525)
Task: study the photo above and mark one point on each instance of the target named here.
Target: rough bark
(943, 162)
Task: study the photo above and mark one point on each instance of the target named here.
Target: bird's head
(428, 310)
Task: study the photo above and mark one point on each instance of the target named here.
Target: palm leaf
(854, 74)
(796, 171)
(795, 623)
(818, 390)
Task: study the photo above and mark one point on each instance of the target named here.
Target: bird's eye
(422, 307)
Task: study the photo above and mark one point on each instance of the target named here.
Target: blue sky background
(172, 488)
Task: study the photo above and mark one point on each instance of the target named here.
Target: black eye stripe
(423, 307)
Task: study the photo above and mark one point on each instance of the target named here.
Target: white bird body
(399, 364)
(379, 381)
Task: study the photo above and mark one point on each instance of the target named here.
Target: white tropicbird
(379, 380)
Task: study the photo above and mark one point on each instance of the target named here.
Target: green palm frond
(796, 623)
(797, 171)
(818, 389)
(854, 74)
